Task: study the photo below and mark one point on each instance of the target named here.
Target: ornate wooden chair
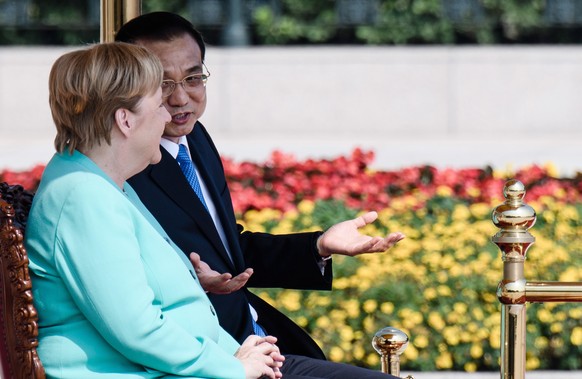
(18, 317)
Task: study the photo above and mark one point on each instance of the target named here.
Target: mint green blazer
(114, 298)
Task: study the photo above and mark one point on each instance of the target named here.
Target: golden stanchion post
(513, 218)
(115, 13)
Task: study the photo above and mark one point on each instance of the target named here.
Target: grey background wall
(446, 106)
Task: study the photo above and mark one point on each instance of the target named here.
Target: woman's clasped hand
(260, 357)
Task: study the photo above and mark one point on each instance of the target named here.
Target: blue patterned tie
(258, 329)
(188, 169)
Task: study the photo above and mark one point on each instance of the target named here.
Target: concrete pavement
(492, 375)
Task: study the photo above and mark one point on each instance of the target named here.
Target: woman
(115, 300)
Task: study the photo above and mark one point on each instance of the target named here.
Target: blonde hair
(87, 86)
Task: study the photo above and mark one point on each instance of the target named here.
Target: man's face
(180, 57)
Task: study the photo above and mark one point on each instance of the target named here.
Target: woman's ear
(123, 120)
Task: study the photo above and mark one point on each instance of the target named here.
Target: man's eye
(194, 79)
(166, 84)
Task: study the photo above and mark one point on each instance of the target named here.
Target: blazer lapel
(169, 177)
(208, 177)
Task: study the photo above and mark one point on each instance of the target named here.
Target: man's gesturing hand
(345, 238)
(215, 282)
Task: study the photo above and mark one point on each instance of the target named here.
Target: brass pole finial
(390, 343)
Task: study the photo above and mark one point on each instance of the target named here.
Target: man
(194, 206)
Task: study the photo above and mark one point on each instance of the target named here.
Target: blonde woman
(115, 298)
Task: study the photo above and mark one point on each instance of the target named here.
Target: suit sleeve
(98, 257)
(276, 260)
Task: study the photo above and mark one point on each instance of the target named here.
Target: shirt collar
(173, 147)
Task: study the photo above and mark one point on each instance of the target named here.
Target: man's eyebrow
(195, 69)
(192, 70)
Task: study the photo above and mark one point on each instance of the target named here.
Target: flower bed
(439, 284)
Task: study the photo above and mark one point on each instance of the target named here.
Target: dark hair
(159, 26)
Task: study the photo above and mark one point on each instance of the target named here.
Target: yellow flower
(460, 308)
(336, 354)
(352, 307)
(306, 206)
(444, 290)
(490, 298)
(575, 313)
(444, 191)
(316, 300)
(410, 318)
(544, 315)
(302, 321)
(369, 325)
(291, 214)
(557, 343)
(284, 226)
(531, 363)
(358, 352)
(495, 337)
(476, 351)
(387, 308)
(341, 283)
(290, 300)
(567, 213)
(541, 342)
(370, 305)
(421, 341)
(436, 321)
(560, 316)
(398, 205)
(373, 360)
(444, 361)
(571, 274)
(451, 335)
(576, 336)
(470, 367)
(477, 313)
(461, 213)
(346, 333)
(430, 293)
(508, 172)
(338, 316)
(551, 169)
(473, 191)
(411, 353)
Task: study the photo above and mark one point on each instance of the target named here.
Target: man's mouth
(181, 118)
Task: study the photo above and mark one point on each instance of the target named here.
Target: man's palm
(214, 282)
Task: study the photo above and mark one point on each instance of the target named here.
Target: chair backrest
(18, 317)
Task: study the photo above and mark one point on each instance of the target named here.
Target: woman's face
(151, 118)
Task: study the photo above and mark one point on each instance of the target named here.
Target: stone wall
(446, 106)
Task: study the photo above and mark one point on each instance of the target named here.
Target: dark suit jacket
(279, 261)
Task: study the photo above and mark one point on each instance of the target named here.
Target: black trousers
(298, 367)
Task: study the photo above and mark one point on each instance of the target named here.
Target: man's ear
(123, 121)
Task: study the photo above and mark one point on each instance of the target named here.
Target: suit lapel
(169, 177)
(210, 182)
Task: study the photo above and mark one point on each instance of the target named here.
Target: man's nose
(179, 97)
